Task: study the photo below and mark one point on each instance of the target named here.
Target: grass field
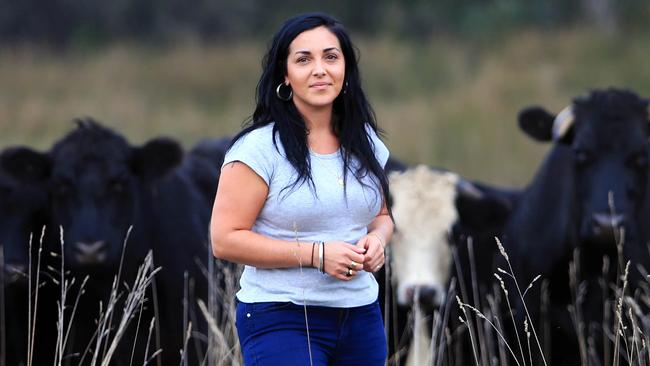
(449, 102)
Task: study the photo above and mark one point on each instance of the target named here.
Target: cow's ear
(25, 164)
(156, 158)
(537, 123)
(481, 208)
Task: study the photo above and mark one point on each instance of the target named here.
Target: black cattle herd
(97, 187)
(585, 214)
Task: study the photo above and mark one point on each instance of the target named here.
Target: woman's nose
(319, 70)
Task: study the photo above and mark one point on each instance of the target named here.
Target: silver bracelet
(321, 257)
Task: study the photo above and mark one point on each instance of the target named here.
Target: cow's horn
(563, 122)
(467, 189)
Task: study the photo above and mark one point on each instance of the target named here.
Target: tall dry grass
(622, 336)
(123, 308)
(625, 326)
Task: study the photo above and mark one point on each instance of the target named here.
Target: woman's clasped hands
(344, 261)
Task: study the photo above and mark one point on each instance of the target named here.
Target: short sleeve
(378, 146)
(257, 151)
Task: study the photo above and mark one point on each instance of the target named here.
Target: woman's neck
(317, 120)
(320, 131)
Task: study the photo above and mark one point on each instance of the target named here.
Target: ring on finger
(353, 265)
(349, 273)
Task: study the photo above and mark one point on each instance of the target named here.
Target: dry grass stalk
(468, 321)
(477, 300)
(63, 330)
(497, 329)
(134, 298)
(521, 296)
(471, 333)
(186, 339)
(619, 328)
(575, 309)
(147, 359)
(116, 282)
(3, 333)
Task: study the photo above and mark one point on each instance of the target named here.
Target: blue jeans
(275, 333)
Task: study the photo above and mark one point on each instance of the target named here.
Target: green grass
(449, 102)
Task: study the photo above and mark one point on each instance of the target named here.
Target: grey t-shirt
(298, 214)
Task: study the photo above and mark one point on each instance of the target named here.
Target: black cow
(23, 205)
(101, 185)
(592, 183)
(205, 164)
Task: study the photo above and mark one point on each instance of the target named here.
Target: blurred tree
(84, 22)
(602, 13)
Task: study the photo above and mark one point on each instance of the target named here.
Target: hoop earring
(279, 95)
(345, 88)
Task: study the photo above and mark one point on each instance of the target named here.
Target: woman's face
(315, 69)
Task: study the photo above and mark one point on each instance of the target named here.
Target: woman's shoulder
(261, 133)
(372, 134)
(378, 146)
(259, 138)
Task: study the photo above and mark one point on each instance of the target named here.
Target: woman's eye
(331, 57)
(302, 60)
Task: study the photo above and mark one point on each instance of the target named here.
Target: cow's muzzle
(15, 273)
(90, 253)
(605, 225)
(427, 296)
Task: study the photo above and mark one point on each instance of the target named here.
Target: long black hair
(351, 108)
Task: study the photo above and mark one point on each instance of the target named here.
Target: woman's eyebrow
(331, 49)
(307, 52)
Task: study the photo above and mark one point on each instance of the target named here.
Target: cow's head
(424, 212)
(23, 203)
(607, 132)
(98, 181)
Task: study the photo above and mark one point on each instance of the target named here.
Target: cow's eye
(581, 156)
(62, 189)
(640, 160)
(118, 187)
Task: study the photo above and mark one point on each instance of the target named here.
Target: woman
(302, 203)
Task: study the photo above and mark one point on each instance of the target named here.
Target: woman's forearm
(253, 249)
(382, 227)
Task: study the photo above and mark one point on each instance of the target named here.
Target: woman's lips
(320, 85)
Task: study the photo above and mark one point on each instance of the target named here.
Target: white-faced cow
(436, 213)
(592, 183)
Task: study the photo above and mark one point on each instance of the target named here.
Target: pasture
(446, 102)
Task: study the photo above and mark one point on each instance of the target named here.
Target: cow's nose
(15, 272)
(90, 253)
(428, 296)
(606, 223)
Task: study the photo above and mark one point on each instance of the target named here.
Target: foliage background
(446, 78)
